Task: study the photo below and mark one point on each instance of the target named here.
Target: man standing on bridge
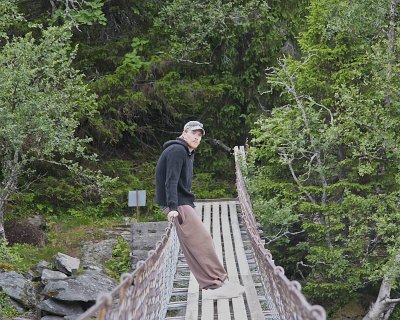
(174, 175)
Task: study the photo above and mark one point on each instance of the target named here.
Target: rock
(41, 266)
(18, 288)
(137, 256)
(37, 221)
(144, 238)
(48, 275)
(73, 317)
(36, 272)
(19, 307)
(60, 308)
(96, 254)
(94, 268)
(146, 234)
(6, 301)
(85, 287)
(119, 232)
(52, 318)
(66, 264)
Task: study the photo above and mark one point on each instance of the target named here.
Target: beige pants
(198, 248)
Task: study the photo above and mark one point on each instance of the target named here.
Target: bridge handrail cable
(144, 293)
(286, 296)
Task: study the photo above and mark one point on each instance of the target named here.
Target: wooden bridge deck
(233, 248)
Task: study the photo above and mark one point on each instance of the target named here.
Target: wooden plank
(256, 312)
(224, 312)
(207, 306)
(239, 309)
(216, 230)
(192, 304)
(222, 304)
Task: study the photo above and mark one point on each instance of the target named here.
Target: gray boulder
(48, 275)
(66, 264)
(35, 272)
(60, 308)
(52, 318)
(73, 317)
(95, 254)
(19, 307)
(37, 221)
(41, 266)
(18, 288)
(85, 287)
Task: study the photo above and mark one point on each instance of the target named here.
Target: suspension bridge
(162, 287)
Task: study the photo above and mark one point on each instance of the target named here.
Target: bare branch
(301, 263)
(309, 196)
(220, 144)
(322, 106)
(53, 7)
(392, 300)
(194, 62)
(282, 234)
(263, 109)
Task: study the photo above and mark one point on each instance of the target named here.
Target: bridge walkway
(234, 249)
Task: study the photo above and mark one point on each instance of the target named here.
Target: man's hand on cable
(172, 214)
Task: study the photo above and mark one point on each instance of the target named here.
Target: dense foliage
(133, 64)
(315, 82)
(325, 162)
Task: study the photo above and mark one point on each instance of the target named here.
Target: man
(174, 175)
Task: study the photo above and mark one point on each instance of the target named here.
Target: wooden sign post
(137, 198)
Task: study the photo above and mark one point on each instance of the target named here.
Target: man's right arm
(174, 163)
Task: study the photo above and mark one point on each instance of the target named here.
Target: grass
(66, 235)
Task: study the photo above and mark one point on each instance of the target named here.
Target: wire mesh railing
(286, 296)
(143, 294)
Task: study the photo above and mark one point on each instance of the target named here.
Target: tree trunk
(377, 310)
(9, 185)
(2, 232)
(384, 305)
(389, 312)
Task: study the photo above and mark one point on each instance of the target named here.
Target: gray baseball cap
(194, 125)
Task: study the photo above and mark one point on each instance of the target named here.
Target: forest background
(91, 89)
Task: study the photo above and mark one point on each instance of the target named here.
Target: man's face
(192, 138)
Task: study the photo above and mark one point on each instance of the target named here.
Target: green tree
(78, 12)
(42, 99)
(325, 162)
(199, 60)
(228, 45)
(9, 15)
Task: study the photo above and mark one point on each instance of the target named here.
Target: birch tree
(42, 98)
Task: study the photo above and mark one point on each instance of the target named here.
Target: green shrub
(10, 258)
(396, 313)
(7, 309)
(156, 215)
(205, 186)
(120, 261)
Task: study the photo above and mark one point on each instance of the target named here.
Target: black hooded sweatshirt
(174, 173)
